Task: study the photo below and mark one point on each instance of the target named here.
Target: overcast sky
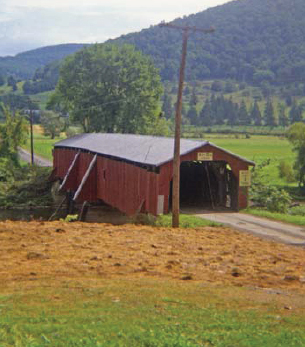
(28, 24)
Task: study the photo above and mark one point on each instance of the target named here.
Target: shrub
(297, 210)
(278, 200)
(70, 132)
(270, 197)
(286, 171)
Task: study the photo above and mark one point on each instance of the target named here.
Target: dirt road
(262, 227)
(26, 156)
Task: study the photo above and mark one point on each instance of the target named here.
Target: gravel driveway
(26, 156)
(277, 231)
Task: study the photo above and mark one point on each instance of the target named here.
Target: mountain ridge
(256, 41)
(23, 65)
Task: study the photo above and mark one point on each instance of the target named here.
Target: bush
(297, 211)
(70, 132)
(286, 171)
(270, 197)
(274, 199)
(278, 200)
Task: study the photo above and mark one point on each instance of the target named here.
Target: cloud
(30, 24)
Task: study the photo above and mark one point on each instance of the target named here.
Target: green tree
(167, 106)
(205, 116)
(192, 115)
(13, 133)
(295, 113)
(269, 116)
(243, 115)
(296, 135)
(231, 111)
(256, 115)
(194, 98)
(111, 88)
(12, 83)
(283, 118)
(52, 124)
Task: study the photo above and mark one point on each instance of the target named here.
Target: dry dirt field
(56, 251)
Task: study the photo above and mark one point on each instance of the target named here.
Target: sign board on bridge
(205, 156)
(244, 178)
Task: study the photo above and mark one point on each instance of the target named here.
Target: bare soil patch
(79, 251)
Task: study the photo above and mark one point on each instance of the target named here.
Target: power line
(110, 102)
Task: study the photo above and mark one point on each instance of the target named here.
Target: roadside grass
(146, 312)
(42, 145)
(186, 221)
(283, 217)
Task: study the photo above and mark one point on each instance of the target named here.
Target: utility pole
(176, 164)
(32, 142)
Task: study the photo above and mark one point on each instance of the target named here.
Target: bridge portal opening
(208, 185)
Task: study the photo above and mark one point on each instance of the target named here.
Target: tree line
(218, 110)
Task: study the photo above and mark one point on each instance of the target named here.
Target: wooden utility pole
(176, 164)
(32, 142)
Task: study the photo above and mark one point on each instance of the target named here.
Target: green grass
(145, 313)
(42, 145)
(260, 148)
(283, 217)
(186, 221)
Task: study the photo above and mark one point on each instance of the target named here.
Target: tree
(283, 119)
(206, 114)
(111, 88)
(256, 115)
(192, 115)
(296, 135)
(243, 116)
(295, 113)
(167, 106)
(12, 83)
(269, 116)
(232, 112)
(13, 133)
(194, 98)
(216, 86)
(52, 124)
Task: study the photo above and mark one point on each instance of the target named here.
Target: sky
(29, 24)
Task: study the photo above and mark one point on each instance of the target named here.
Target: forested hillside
(24, 65)
(44, 79)
(255, 41)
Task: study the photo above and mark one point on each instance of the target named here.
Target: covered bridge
(133, 173)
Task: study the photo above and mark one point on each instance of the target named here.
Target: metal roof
(147, 150)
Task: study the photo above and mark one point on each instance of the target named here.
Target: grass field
(147, 313)
(43, 145)
(258, 149)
